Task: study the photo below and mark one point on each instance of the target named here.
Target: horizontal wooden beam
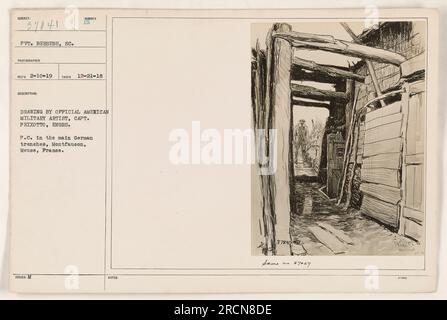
(331, 71)
(308, 103)
(330, 44)
(299, 74)
(302, 91)
(310, 37)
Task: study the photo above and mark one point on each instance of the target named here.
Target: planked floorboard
(338, 233)
(328, 239)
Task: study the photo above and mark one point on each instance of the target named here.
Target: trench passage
(318, 226)
(309, 126)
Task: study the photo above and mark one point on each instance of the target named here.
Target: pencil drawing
(347, 104)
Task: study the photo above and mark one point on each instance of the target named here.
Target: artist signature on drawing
(290, 263)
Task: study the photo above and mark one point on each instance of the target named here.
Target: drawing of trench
(350, 121)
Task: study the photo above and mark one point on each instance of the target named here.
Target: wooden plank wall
(380, 173)
(413, 209)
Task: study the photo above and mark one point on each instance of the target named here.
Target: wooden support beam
(308, 103)
(330, 44)
(369, 64)
(262, 222)
(404, 147)
(310, 37)
(331, 71)
(282, 121)
(267, 189)
(300, 74)
(302, 91)
(348, 149)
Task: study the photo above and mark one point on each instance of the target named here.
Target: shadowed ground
(369, 237)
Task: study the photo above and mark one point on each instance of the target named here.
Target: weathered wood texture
(381, 165)
(302, 91)
(415, 158)
(369, 64)
(393, 108)
(413, 229)
(408, 39)
(282, 122)
(383, 132)
(384, 125)
(413, 214)
(354, 154)
(387, 177)
(329, 70)
(383, 120)
(263, 234)
(330, 44)
(414, 189)
(413, 65)
(335, 153)
(352, 94)
(385, 146)
(328, 239)
(384, 160)
(382, 211)
(338, 233)
(413, 206)
(416, 124)
(349, 145)
(300, 74)
(257, 222)
(382, 192)
(307, 103)
(361, 139)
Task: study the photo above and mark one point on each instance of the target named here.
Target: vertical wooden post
(355, 137)
(267, 181)
(282, 122)
(349, 122)
(259, 240)
(405, 110)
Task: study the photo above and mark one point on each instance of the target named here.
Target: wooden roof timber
(369, 64)
(301, 91)
(310, 103)
(299, 74)
(330, 44)
(332, 72)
